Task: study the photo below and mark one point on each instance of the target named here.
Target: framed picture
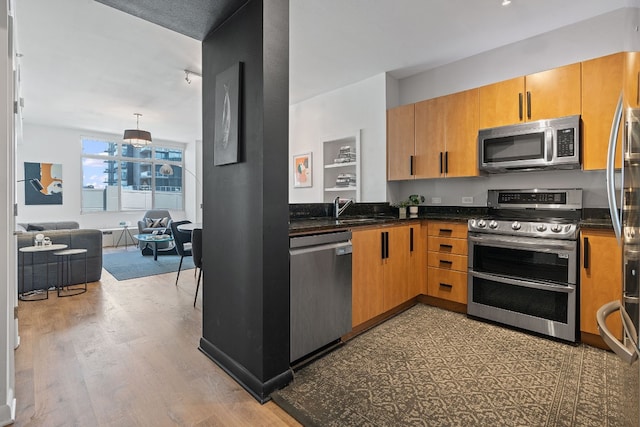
(43, 183)
(303, 170)
(227, 115)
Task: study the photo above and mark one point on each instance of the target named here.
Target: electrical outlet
(436, 200)
(467, 200)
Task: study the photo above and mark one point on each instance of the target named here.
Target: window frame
(119, 158)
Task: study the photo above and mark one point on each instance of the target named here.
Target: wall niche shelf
(341, 160)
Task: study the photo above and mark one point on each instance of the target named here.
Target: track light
(188, 74)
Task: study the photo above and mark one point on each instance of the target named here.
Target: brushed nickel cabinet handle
(528, 104)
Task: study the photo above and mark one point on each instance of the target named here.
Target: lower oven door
(544, 308)
(524, 282)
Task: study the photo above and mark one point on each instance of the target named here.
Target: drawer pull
(444, 261)
(443, 246)
(446, 230)
(446, 285)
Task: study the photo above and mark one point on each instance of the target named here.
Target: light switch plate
(467, 200)
(436, 200)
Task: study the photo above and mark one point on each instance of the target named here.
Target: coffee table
(153, 240)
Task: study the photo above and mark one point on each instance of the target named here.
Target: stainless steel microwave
(544, 144)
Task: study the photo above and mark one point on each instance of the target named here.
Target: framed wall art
(43, 183)
(303, 170)
(227, 115)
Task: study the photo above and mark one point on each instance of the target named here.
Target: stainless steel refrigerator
(626, 225)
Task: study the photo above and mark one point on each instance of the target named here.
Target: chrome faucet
(336, 206)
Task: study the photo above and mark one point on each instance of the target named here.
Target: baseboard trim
(260, 390)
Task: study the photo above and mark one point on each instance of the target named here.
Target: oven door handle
(541, 245)
(523, 283)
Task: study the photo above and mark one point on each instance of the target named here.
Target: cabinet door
(461, 127)
(632, 79)
(600, 278)
(500, 103)
(601, 87)
(367, 275)
(396, 267)
(553, 93)
(400, 142)
(430, 138)
(417, 251)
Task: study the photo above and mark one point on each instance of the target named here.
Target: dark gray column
(246, 261)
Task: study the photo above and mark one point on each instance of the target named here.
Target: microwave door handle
(610, 175)
(549, 144)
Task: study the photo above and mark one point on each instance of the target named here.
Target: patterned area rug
(431, 367)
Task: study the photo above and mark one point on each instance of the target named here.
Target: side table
(31, 295)
(64, 257)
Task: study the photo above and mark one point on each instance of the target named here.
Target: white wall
(334, 115)
(63, 145)
(599, 36)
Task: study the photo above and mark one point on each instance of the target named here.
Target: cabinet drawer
(447, 284)
(457, 230)
(447, 245)
(447, 261)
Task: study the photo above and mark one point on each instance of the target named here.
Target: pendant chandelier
(136, 137)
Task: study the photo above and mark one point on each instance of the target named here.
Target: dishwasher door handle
(340, 248)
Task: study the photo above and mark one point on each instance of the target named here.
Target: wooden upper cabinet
(632, 79)
(500, 103)
(461, 127)
(446, 135)
(400, 142)
(545, 95)
(602, 82)
(553, 93)
(430, 138)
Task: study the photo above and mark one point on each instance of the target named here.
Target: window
(121, 177)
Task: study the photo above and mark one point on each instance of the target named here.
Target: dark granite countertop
(301, 224)
(318, 219)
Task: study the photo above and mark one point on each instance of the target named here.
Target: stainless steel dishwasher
(320, 290)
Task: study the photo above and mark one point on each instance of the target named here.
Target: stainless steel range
(523, 261)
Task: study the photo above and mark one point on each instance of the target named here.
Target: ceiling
(86, 65)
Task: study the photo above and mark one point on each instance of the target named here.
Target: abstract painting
(227, 116)
(302, 170)
(43, 183)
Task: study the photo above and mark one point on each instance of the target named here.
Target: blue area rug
(131, 265)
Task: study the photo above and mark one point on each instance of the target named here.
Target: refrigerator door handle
(628, 353)
(610, 175)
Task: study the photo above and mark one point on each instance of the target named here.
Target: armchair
(159, 221)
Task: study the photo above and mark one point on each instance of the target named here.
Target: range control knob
(556, 228)
(516, 225)
(482, 223)
(631, 233)
(541, 227)
(493, 224)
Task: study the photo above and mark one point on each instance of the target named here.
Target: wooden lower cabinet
(384, 267)
(447, 261)
(600, 278)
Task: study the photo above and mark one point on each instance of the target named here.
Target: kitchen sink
(348, 221)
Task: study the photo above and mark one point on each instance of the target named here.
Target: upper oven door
(544, 260)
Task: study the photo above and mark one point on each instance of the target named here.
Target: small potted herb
(402, 208)
(414, 201)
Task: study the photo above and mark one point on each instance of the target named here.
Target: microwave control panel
(566, 142)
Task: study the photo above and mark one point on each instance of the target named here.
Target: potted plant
(402, 208)
(414, 201)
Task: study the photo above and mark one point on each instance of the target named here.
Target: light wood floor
(125, 354)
